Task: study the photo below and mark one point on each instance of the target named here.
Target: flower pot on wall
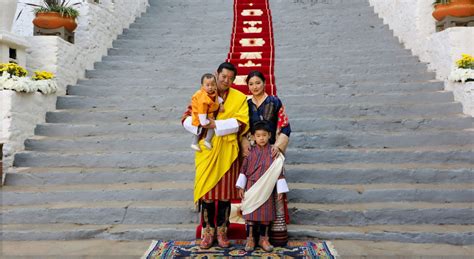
(456, 8)
(53, 20)
(7, 14)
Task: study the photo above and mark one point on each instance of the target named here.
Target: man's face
(225, 79)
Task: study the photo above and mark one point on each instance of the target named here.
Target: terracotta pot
(53, 20)
(457, 8)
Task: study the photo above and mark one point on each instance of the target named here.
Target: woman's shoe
(265, 244)
(207, 238)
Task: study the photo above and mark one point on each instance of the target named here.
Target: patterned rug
(190, 249)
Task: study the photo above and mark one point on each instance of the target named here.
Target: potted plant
(53, 14)
(455, 8)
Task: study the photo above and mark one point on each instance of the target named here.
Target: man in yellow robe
(217, 169)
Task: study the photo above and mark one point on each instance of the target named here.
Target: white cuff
(188, 125)
(219, 99)
(203, 119)
(282, 186)
(241, 182)
(226, 127)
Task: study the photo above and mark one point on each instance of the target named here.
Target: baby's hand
(221, 108)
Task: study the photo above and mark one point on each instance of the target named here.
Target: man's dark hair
(229, 66)
(261, 125)
(207, 76)
(255, 73)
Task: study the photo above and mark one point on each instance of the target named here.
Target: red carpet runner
(251, 48)
(251, 44)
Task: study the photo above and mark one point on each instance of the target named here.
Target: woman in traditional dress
(263, 107)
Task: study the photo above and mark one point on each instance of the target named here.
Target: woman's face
(256, 86)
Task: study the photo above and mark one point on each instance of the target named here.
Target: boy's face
(262, 137)
(209, 85)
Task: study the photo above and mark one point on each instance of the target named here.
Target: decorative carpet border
(190, 249)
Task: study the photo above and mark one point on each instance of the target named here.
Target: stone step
(369, 23)
(118, 61)
(447, 234)
(162, 75)
(108, 212)
(285, 78)
(180, 140)
(443, 154)
(406, 213)
(102, 87)
(137, 102)
(136, 159)
(295, 111)
(182, 191)
(328, 67)
(104, 232)
(373, 109)
(443, 234)
(217, 32)
(382, 124)
(282, 50)
(350, 173)
(157, 212)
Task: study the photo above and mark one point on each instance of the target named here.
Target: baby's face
(209, 85)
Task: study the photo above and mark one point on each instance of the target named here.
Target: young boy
(258, 176)
(204, 103)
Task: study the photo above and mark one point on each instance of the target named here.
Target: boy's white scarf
(260, 192)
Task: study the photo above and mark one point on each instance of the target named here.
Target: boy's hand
(280, 196)
(241, 194)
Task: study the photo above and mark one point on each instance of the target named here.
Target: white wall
(98, 26)
(412, 22)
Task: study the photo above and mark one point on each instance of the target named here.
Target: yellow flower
(466, 62)
(13, 69)
(43, 75)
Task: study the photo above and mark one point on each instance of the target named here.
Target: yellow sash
(211, 165)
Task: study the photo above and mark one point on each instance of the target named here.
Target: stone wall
(412, 22)
(98, 26)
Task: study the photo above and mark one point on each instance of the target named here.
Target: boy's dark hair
(229, 66)
(261, 125)
(207, 76)
(255, 73)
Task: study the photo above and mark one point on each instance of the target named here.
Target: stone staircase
(378, 151)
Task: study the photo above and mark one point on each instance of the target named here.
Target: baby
(205, 102)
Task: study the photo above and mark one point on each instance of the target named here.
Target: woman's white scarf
(260, 192)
